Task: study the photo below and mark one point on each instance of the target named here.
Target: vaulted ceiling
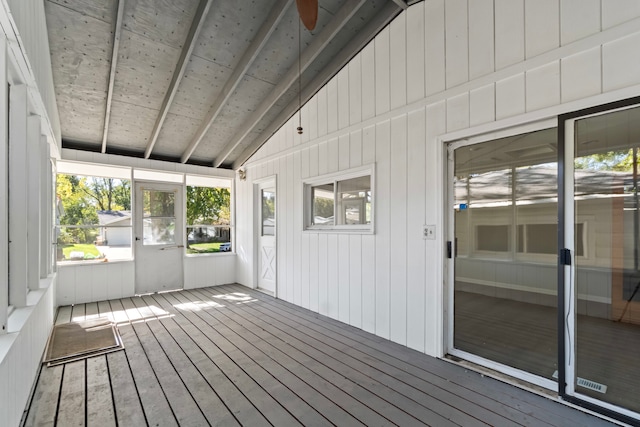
(195, 81)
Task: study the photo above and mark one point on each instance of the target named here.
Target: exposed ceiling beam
(319, 42)
(364, 36)
(249, 56)
(112, 72)
(401, 3)
(181, 66)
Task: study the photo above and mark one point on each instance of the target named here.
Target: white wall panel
(343, 282)
(509, 32)
(581, 74)
(383, 227)
(368, 81)
(344, 152)
(355, 151)
(354, 285)
(481, 38)
(620, 68)
(381, 43)
(332, 105)
(369, 283)
(435, 75)
(304, 163)
(292, 233)
(333, 278)
(312, 126)
(578, 19)
(369, 145)
(416, 207)
(482, 105)
(543, 86)
(343, 98)
(323, 274)
(398, 230)
(435, 126)
(510, 97)
(355, 89)
(323, 118)
(296, 199)
(398, 62)
(456, 42)
(323, 158)
(458, 112)
(619, 11)
(542, 23)
(314, 280)
(333, 155)
(305, 279)
(415, 53)
(313, 160)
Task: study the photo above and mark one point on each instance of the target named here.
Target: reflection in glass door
(606, 274)
(505, 253)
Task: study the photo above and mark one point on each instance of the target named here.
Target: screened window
(93, 218)
(208, 215)
(340, 202)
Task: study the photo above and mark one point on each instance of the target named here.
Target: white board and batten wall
(442, 70)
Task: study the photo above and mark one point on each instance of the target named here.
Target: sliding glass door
(504, 194)
(602, 334)
(544, 248)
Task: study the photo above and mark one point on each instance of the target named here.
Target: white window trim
(308, 183)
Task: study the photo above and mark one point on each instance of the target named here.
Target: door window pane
(159, 221)
(607, 279)
(268, 213)
(504, 299)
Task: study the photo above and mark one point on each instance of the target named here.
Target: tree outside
(82, 197)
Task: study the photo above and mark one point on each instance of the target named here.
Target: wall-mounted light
(242, 174)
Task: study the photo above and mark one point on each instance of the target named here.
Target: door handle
(137, 239)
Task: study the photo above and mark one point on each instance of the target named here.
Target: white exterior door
(159, 237)
(266, 235)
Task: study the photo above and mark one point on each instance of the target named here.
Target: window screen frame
(334, 178)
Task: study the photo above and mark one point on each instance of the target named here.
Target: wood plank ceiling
(195, 81)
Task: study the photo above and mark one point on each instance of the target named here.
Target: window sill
(338, 230)
(90, 262)
(218, 254)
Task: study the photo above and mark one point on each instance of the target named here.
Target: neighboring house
(115, 228)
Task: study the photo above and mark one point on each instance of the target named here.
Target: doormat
(78, 340)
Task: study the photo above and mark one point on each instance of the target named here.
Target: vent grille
(591, 385)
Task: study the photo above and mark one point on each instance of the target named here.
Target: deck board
(229, 355)
(516, 404)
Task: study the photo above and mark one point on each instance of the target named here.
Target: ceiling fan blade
(308, 11)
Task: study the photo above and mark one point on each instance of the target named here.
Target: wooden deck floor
(228, 356)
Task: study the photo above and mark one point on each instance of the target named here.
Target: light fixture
(242, 174)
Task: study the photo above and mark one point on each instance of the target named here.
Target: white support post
(18, 195)
(45, 209)
(32, 178)
(4, 163)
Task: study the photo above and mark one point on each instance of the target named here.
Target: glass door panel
(505, 267)
(607, 275)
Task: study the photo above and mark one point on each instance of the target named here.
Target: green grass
(203, 248)
(90, 251)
